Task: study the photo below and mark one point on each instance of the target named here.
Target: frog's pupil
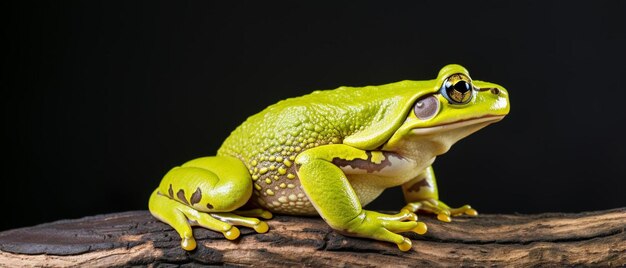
(462, 87)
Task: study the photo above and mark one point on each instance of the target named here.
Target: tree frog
(329, 153)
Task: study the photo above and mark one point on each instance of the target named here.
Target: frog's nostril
(495, 91)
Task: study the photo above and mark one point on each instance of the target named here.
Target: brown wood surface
(589, 239)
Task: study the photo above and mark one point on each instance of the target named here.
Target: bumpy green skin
(329, 153)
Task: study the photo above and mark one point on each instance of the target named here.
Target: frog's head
(429, 116)
(448, 109)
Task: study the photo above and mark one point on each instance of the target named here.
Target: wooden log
(136, 238)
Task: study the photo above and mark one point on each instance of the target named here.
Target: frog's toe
(266, 215)
(236, 219)
(207, 221)
(403, 215)
(466, 209)
(399, 226)
(176, 215)
(417, 227)
(421, 228)
(188, 243)
(262, 227)
(391, 228)
(255, 213)
(427, 205)
(471, 212)
(444, 212)
(232, 234)
(405, 245)
(384, 234)
(404, 221)
(444, 217)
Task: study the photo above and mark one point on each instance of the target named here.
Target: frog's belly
(285, 195)
(369, 181)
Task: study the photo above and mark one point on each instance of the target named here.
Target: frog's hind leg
(182, 217)
(206, 192)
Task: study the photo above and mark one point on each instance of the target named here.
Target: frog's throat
(421, 144)
(457, 124)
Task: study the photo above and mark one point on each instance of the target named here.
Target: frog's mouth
(476, 122)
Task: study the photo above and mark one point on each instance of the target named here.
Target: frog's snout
(495, 90)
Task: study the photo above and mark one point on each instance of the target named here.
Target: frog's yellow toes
(466, 209)
(236, 219)
(405, 245)
(403, 215)
(421, 228)
(262, 227)
(443, 217)
(232, 233)
(188, 243)
(471, 212)
(266, 215)
(444, 212)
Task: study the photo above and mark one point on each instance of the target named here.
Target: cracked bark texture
(135, 238)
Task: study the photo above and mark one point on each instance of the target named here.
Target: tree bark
(136, 238)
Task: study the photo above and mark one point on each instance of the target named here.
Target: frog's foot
(182, 218)
(385, 227)
(443, 211)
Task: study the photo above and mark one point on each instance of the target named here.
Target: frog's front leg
(206, 192)
(421, 194)
(329, 190)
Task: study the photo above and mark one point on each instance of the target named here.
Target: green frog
(329, 153)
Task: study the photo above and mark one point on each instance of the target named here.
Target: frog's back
(321, 117)
(295, 124)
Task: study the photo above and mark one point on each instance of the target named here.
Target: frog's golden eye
(457, 89)
(426, 107)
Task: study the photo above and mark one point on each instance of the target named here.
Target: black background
(100, 99)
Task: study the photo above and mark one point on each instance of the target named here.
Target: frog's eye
(426, 107)
(457, 89)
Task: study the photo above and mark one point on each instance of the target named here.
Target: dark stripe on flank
(366, 165)
(196, 196)
(181, 196)
(170, 191)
